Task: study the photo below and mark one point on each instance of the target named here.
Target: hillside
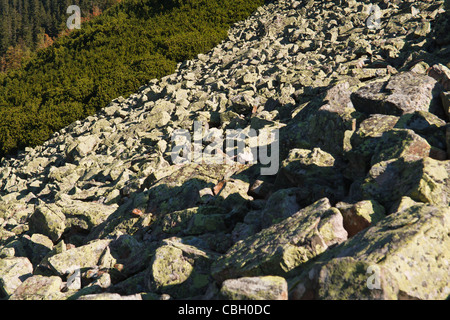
(112, 55)
(119, 205)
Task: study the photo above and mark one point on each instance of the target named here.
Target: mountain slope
(358, 207)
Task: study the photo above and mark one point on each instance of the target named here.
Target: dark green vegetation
(28, 25)
(113, 54)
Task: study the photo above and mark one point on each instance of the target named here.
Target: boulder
(85, 215)
(440, 73)
(48, 220)
(179, 270)
(397, 143)
(38, 246)
(364, 142)
(283, 246)
(404, 92)
(360, 215)
(82, 146)
(425, 180)
(281, 205)
(192, 221)
(87, 256)
(426, 125)
(39, 288)
(255, 288)
(13, 271)
(314, 172)
(404, 256)
(181, 189)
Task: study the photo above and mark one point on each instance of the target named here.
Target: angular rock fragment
(85, 215)
(398, 143)
(426, 180)
(314, 172)
(281, 205)
(13, 271)
(87, 256)
(82, 146)
(360, 215)
(440, 73)
(426, 125)
(48, 220)
(405, 92)
(179, 270)
(415, 241)
(255, 288)
(39, 288)
(284, 246)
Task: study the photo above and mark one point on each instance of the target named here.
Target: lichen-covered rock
(337, 116)
(314, 172)
(357, 114)
(192, 221)
(364, 142)
(284, 246)
(280, 205)
(402, 204)
(441, 74)
(39, 288)
(425, 124)
(179, 270)
(48, 220)
(83, 257)
(425, 180)
(398, 143)
(13, 271)
(360, 215)
(82, 146)
(255, 288)
(181, 189)
(85, 215)
(39, 246)
(445, 96)
(109, 296)
(403, 93)
(415, 241)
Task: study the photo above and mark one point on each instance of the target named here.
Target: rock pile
(359, 208)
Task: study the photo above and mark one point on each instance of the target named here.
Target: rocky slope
(359, 208)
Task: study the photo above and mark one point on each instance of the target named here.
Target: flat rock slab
(39, 288)
(86, 256)
(255, 288)
(403, 93)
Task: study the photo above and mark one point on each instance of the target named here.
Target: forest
(112, 55)
(30, 25)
